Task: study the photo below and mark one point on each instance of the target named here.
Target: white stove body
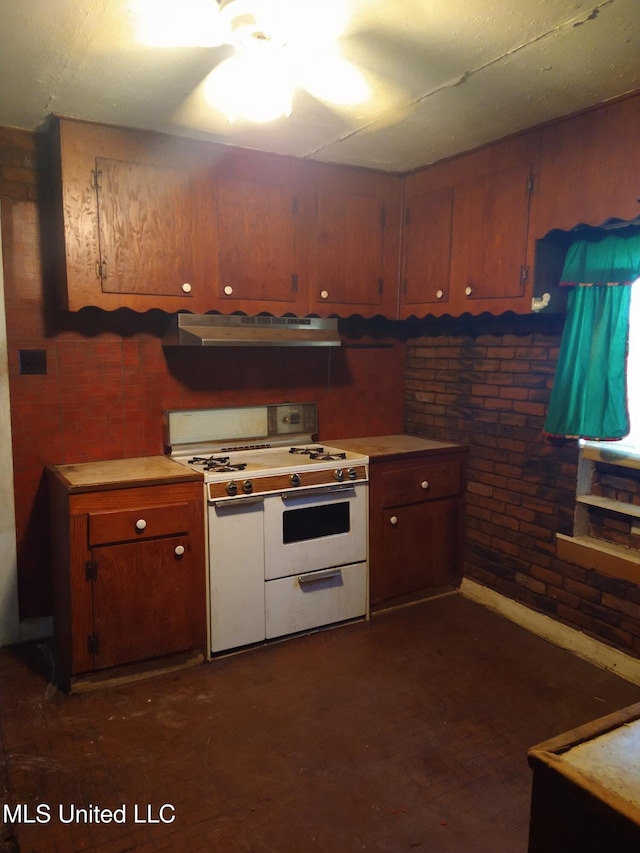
(287, 534)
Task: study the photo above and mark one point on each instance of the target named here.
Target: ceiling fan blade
(180, 23)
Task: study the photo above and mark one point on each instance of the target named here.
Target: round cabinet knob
(439, 294)
(179, 550)
(186, 287)
(468, 291)
(324, 294)
(228, 290)
(424, 484)
(394, 520)
(141, 524)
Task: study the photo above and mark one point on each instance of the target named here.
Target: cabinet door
(262, 250)
(590, 168)
(134, 228)
(145, 227)
(489, 240)
(418, 549)
(349, 259)
(356, 243)
(143, 606)
(426, 254)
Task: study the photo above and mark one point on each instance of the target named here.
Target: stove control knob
(352, 473)
(247, 487)
(339, 474)
(232, 488)
(294, 479)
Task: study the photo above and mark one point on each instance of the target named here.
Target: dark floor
(407, 733)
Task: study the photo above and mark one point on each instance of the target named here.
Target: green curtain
(589, 396)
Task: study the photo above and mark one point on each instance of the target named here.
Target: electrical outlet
(33, 361)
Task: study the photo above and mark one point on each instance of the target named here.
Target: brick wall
(486, 382)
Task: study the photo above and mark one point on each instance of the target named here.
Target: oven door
(315, 529)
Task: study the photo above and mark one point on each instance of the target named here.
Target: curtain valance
(615, 259)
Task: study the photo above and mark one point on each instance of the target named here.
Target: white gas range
(286, 520)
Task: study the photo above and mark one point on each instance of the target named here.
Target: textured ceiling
(447, 75)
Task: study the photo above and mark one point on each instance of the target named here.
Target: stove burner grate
(318, 452)
(306, 451)
(217, 464)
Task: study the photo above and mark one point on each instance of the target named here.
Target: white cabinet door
(236, 578)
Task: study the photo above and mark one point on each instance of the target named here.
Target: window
(606, 534)
(631, 442)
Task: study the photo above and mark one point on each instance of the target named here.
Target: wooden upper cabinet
(136, 231)
(426, 252)
(355, 242)
(489, 240)
(262, 227)
(145, 218)
(465, 232)
(590, 168)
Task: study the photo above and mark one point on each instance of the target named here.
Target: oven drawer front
(306, 601)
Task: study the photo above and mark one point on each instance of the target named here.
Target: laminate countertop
(123, 473)
(396, 446)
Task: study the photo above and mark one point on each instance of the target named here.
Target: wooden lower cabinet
(416, 514)
(129, 576)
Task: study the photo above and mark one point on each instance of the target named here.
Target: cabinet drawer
(141, 523)
(421, 483)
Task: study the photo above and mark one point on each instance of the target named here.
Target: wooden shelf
(604, 557)
(631, 510)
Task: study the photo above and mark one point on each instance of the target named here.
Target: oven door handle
(321, 490)
(327, 574)
(236, 503)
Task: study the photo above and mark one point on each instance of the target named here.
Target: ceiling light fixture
(249, 22)
(256, 83)
(253, 85)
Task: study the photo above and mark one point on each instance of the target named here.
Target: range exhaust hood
(215, 330)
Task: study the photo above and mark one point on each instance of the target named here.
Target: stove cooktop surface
(272, 460)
